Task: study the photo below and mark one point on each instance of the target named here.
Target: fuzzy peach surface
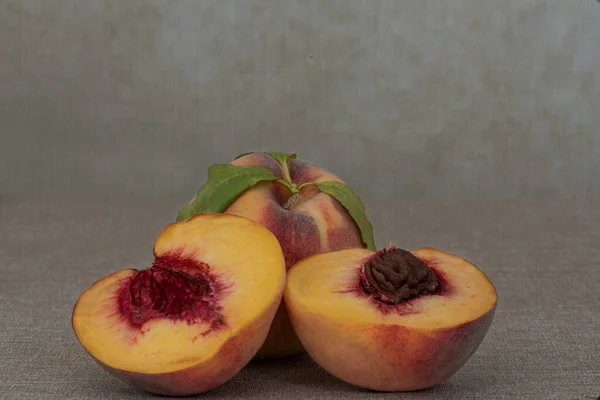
(316, 224)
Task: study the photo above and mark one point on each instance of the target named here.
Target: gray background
(472, 126)
(453, 99)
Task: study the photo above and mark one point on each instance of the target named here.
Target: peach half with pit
(196, 317)
(308, 209)
(392, 320)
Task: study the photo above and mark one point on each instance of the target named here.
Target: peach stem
(286, 174)
(287, 182)
(292, 187)
(292, 200)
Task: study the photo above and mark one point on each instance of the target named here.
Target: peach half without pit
(193, 319)
(392, 320)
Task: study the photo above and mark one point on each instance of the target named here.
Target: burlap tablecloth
(544, 342)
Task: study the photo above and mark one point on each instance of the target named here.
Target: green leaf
(282, 157)
(356, 208)
(224, 184)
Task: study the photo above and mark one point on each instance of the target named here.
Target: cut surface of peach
(328, 285)
(215, 279)
(383, 326)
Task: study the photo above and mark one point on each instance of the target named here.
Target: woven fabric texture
(542, 257)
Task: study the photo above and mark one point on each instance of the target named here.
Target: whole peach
(305, 224)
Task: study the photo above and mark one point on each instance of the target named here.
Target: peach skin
(308, 209)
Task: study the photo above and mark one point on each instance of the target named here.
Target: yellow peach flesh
(243, 254)
(319, 284)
